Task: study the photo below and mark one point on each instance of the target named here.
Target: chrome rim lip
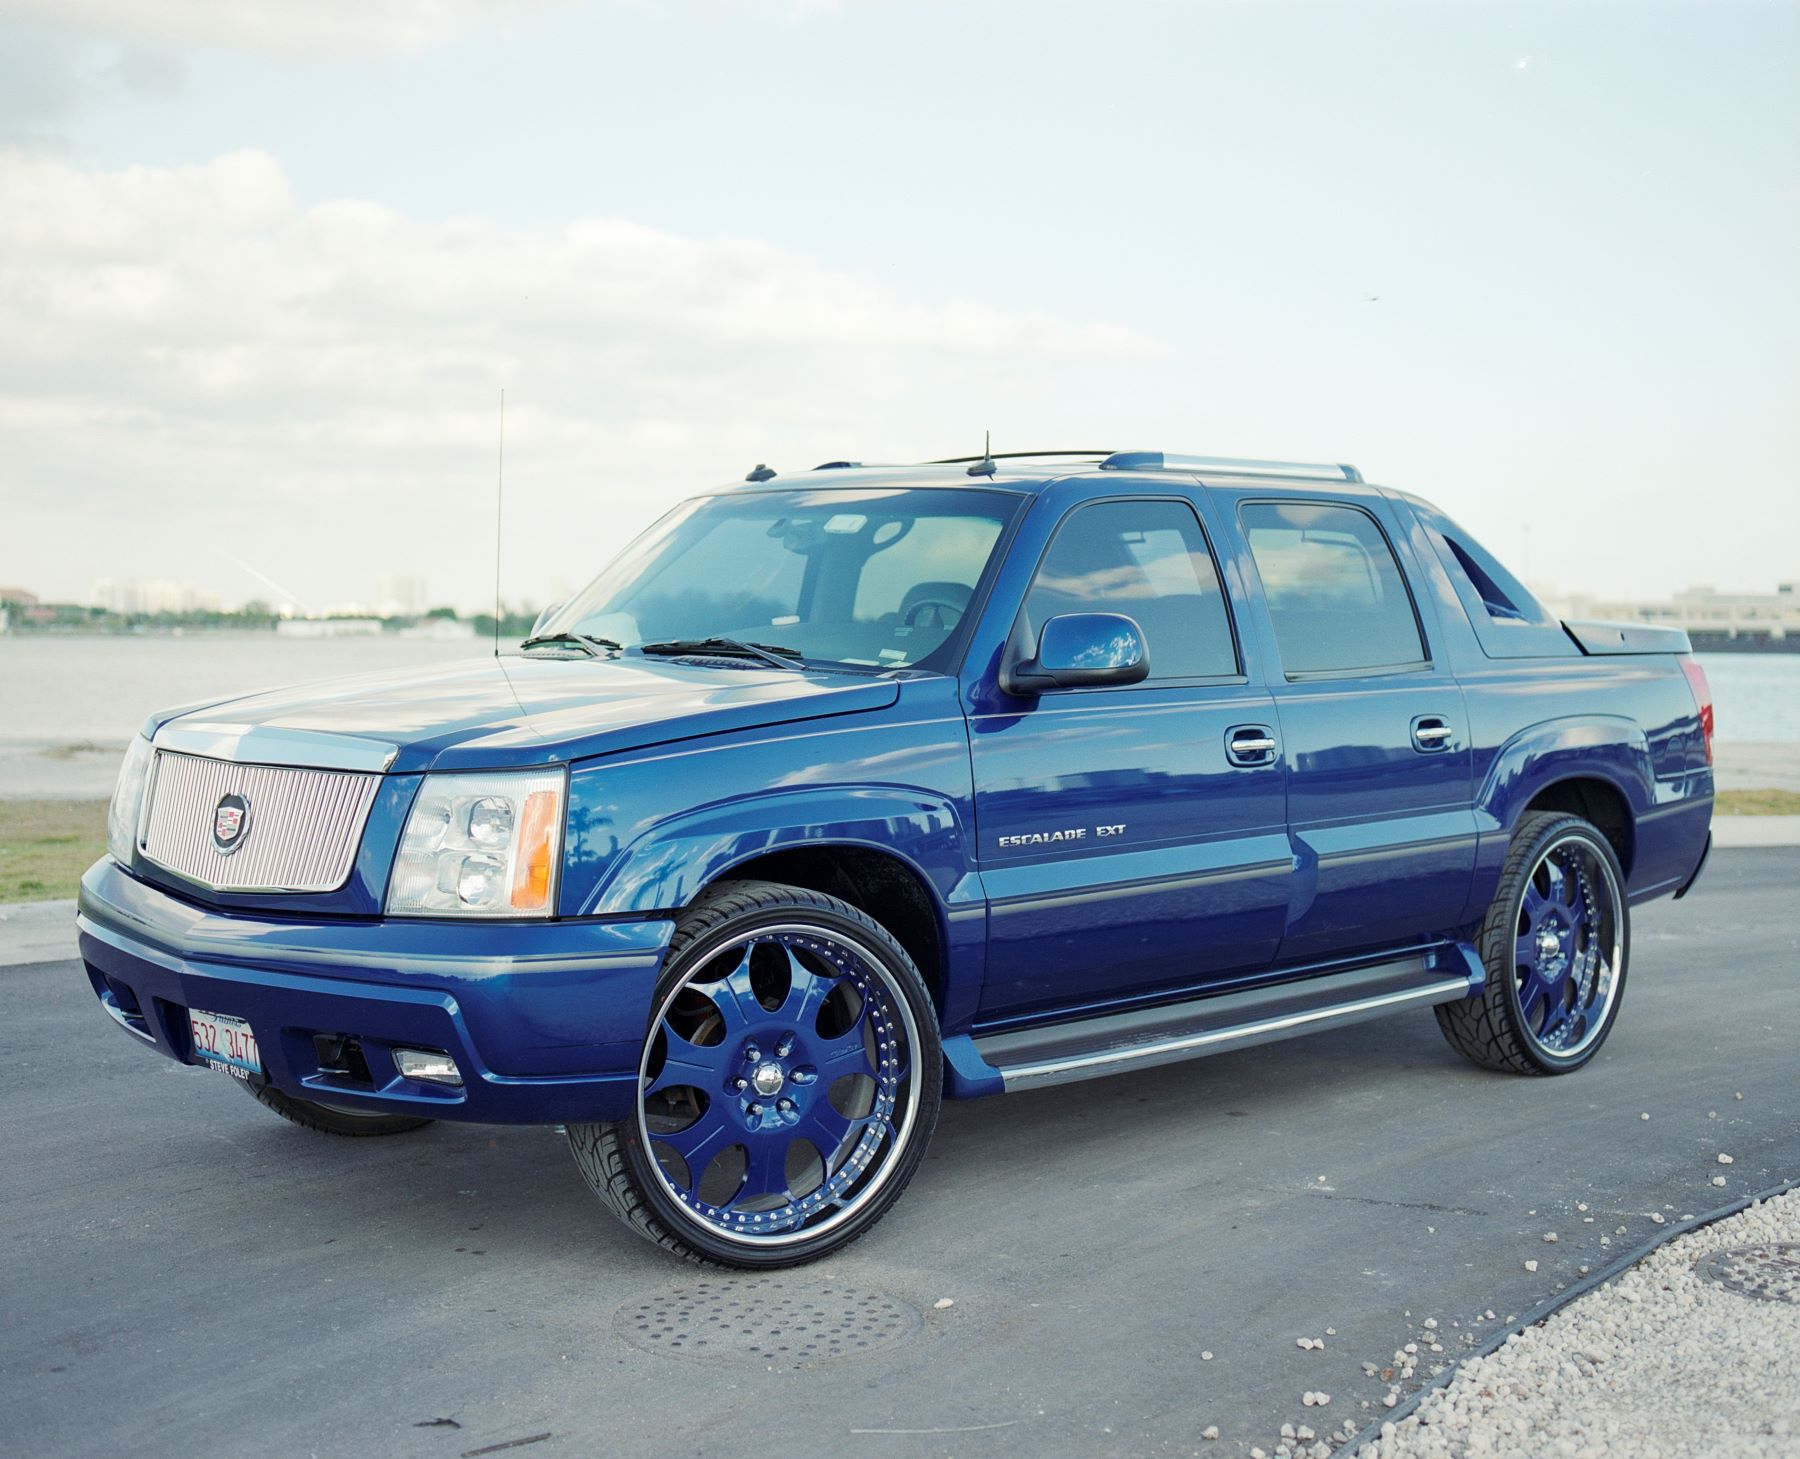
(902, 1131)
(1612, 965)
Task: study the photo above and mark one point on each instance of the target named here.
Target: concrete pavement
(183, 1271)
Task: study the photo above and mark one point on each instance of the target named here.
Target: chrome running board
(1143, 1038)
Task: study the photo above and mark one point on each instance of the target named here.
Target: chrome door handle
(1430, 734)
(1250, 745)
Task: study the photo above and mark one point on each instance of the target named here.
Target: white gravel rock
(1658, 1364)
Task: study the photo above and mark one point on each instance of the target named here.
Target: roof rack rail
(1231, 465)
(1008, 456)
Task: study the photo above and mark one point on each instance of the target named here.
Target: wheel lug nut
(739, 1085)
(784, 1048)
(751, 1053)
(786, 1106)
(755, 1111)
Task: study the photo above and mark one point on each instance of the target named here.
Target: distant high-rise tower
(400, 595)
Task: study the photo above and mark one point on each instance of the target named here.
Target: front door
(1132, 839)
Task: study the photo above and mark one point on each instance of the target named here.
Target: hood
(495, 713)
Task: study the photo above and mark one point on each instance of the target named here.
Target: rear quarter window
(1508, 620)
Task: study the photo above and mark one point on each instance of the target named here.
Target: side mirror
(1081, 650)
(537, 626)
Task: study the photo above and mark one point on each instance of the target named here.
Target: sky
(266, 269)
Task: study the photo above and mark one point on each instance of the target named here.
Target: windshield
(877, 579)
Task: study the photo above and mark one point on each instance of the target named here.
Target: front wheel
(789, 1081)
(1555, 943)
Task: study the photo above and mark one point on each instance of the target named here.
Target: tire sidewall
(312, 1115)
(927, 1058)
(1563, 830)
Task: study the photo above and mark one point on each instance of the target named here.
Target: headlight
(128, 802)
(481, 846)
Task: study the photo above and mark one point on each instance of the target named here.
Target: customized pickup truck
(842, 792)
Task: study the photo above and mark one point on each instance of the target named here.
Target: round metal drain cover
(768, 1321)
(1771, 1272)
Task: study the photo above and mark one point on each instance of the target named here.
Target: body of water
(1756, 697)
(69, 705)
(99, 689)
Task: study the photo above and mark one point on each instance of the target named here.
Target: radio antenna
(499, 503)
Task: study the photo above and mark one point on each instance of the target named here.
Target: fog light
(430, 1065)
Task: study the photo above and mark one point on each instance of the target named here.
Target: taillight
(1696, 677)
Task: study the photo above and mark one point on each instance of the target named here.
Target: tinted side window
(1333, 588)
(1148, 560)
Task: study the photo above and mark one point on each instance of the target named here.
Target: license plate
(224, 1042)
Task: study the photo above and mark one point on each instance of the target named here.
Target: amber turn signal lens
(537, 843)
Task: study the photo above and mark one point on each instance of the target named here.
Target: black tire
(328, 1119)
(1491, 1029)
(617, 1160)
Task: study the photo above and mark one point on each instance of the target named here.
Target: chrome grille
(300, 836)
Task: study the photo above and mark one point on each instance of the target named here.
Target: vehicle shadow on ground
(485, 1190)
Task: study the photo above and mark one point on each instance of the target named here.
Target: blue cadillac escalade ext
(843, 791)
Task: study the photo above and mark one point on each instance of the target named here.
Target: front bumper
(544, 1019)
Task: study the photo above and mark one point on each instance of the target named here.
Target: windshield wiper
(772, 654)
(592, 647)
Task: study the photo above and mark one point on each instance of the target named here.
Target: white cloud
(314, 29)
(188, 357)
(274, 27)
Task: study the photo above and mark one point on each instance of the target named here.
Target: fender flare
(677, 858)
(1604, 747)
(1609, 748)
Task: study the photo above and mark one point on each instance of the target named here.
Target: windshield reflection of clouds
(875, 580)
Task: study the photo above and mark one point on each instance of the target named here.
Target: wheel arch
(900, 855)
(1598, 801)
(1595, 766)
(874, 880)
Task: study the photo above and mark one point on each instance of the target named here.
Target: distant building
(440, 630)
(1710, 617)
(18, 598)
(134, 598)
(401, 595)
(328, 627)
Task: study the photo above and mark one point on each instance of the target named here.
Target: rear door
(1126, 847)
(1372, 719)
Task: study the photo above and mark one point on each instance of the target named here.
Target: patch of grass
(45, 845)
(1757, 803)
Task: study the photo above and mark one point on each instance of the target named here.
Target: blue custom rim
(1567, 948)
(776, 1087)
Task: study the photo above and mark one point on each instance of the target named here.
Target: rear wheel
(789, 1081)
(331, 1119)
(1555, 942)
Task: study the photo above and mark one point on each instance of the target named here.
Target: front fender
(672, 861)
(669, 864)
